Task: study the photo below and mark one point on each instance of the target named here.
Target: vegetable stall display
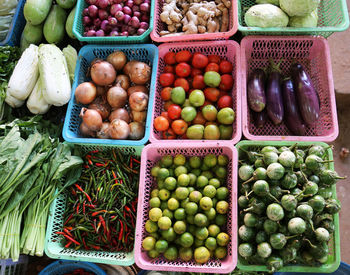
(117, 98)
(286, 204)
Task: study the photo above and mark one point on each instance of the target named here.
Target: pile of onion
(116, 17)
(116, 103)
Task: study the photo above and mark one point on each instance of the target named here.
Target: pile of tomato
(196, 95)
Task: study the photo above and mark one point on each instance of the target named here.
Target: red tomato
(199, 119)
(166, 79)
(161, 123)
(222, 93)
(213, 58)
(192, 89)
(183, 56)
(198, 82)
(184, 136)
(206, 102)
(225, 101)
(169, 69)
(165, 94)
(195, 72)
(226, 83)
(212, 67)
(169, 58)
(182, 82)
(183, 69)
(212, 94)
(169, 134)
(179, 126)
(226, 67)
(174, 111)
(167, 104)
(199, 61)
(166, 115)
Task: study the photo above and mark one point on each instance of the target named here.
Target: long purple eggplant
(259, 118)
(256, 90)
(307, 96)
(292, 118)
(274, 106)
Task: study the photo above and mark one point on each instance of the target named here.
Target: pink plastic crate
(160, 26)
(226, 49)
(311, 52)
(150, 155)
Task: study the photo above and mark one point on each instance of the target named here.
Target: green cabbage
(299, 7)
(308, 21)
(273, 2)
(71, 57)
(265, 16)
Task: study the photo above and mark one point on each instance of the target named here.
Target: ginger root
(171, 15)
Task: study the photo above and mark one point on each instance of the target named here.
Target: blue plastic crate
(62, 267)
(147, 53)
(8, 267)
(16, 28)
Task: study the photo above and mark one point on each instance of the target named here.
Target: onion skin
(100, 90)
(120, 113)
(85, 131)
(137, 130)
(85, 93)
(138, 101)
(91, 118)
(123, 80)
(117, 96)
(138, 116)
(103, 73)
(101, 105)
(117, 59)
(137, 88)
(103, 133)
(119, 129)
(139, 72)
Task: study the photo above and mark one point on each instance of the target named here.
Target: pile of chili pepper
(80, 271)
(101, 205)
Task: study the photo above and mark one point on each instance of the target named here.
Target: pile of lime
(188, 208)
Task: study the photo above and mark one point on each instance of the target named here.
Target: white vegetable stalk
(25, 74)
(54, 74)
(12, 101)
(36, 102)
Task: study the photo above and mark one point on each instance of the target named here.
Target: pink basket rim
(190, 37)
(238, 135)
(140, 209)
(328, 138)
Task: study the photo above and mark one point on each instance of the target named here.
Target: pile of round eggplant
(286, 206)
(293, 99)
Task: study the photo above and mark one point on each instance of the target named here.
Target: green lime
(220, 220)
(163, 173)
(155, 234)
(161, 184)
(173, 195)
(214, 182)
(201, 255)
(210, 160)
(166, 161)
(198, 242)
(204, 167)
(169, 234)
(181, 193)
(190, 189)
(180, 214)
(148, 243)
(154, 193)
(185, 254)
(197, 172)
(202, 233)
(206, 203)
(193, 179)
(222, 193)
(200, 220)
(210, 243)
(154, 171)
(164, 194)
(208, 174)
(179, 160)
(214, 230)
(220, 252)
(209, 191)
(184, 202)
(180, 170)
(171, 172)
(183, 180)
(179, 227)
(195, 162)
(211, 214)
(161, 246)
(173, 204)
(192, 229)
(186, 239)
(221, 172)
(215, 200)
(164, 205)
(164, 223)
(155, 214)
(168, 213)
(222, 207)
(151, 226)
(223, 239)
(191, 208)
(190, 219)
(195, 196)
(171, 253)
(153, 254)
(154, 202)
(222, 160)
(170, 183)
(202, 181)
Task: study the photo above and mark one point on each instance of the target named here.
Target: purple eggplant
(274, 105)
(292, 118)
(259, 118)
(307, 96)
(256, 90)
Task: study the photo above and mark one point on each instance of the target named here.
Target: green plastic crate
(334, 244)
(53, 245)
(78, 29)
(332, 17)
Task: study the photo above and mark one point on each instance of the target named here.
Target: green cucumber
(23, 43)
(33, 33)
(54, 25)
(36, 11)
(66, 4)
(69, 23)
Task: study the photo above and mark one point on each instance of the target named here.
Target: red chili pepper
(126, 237)
(78, 208)
(68, 244)
(80, 189)
(69, 218)
(60, 233)
(95, 247)
(99, 164)
(91, 206)
(73, 192)
(65, 230)
(103, 224)
(127, 208)
(94, 152)
(114, 177)
(98, 212)
(71, 239)
(137, 161)
(84, 207)
(85, 246)
(130, 163)
(93, 226)
(121, 230)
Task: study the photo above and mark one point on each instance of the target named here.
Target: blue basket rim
(112, 142)
(57, 264)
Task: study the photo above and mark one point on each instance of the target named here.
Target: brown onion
(100, 90)
(120, 113)
(137, 130)
(139, 72)
(137, 88)
(85, 131)
(138, 101)
(117, 59)
(91, 118)
(123, 80)
(117, 96)
(103, 133)
(103, 73)
(138, 116)
(85, 93)
(101, 105)
(119, 129)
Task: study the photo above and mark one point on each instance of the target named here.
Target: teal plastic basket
(78, 29)
(146, 53)
(332, 17)
(53, 242)
(333, 261)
